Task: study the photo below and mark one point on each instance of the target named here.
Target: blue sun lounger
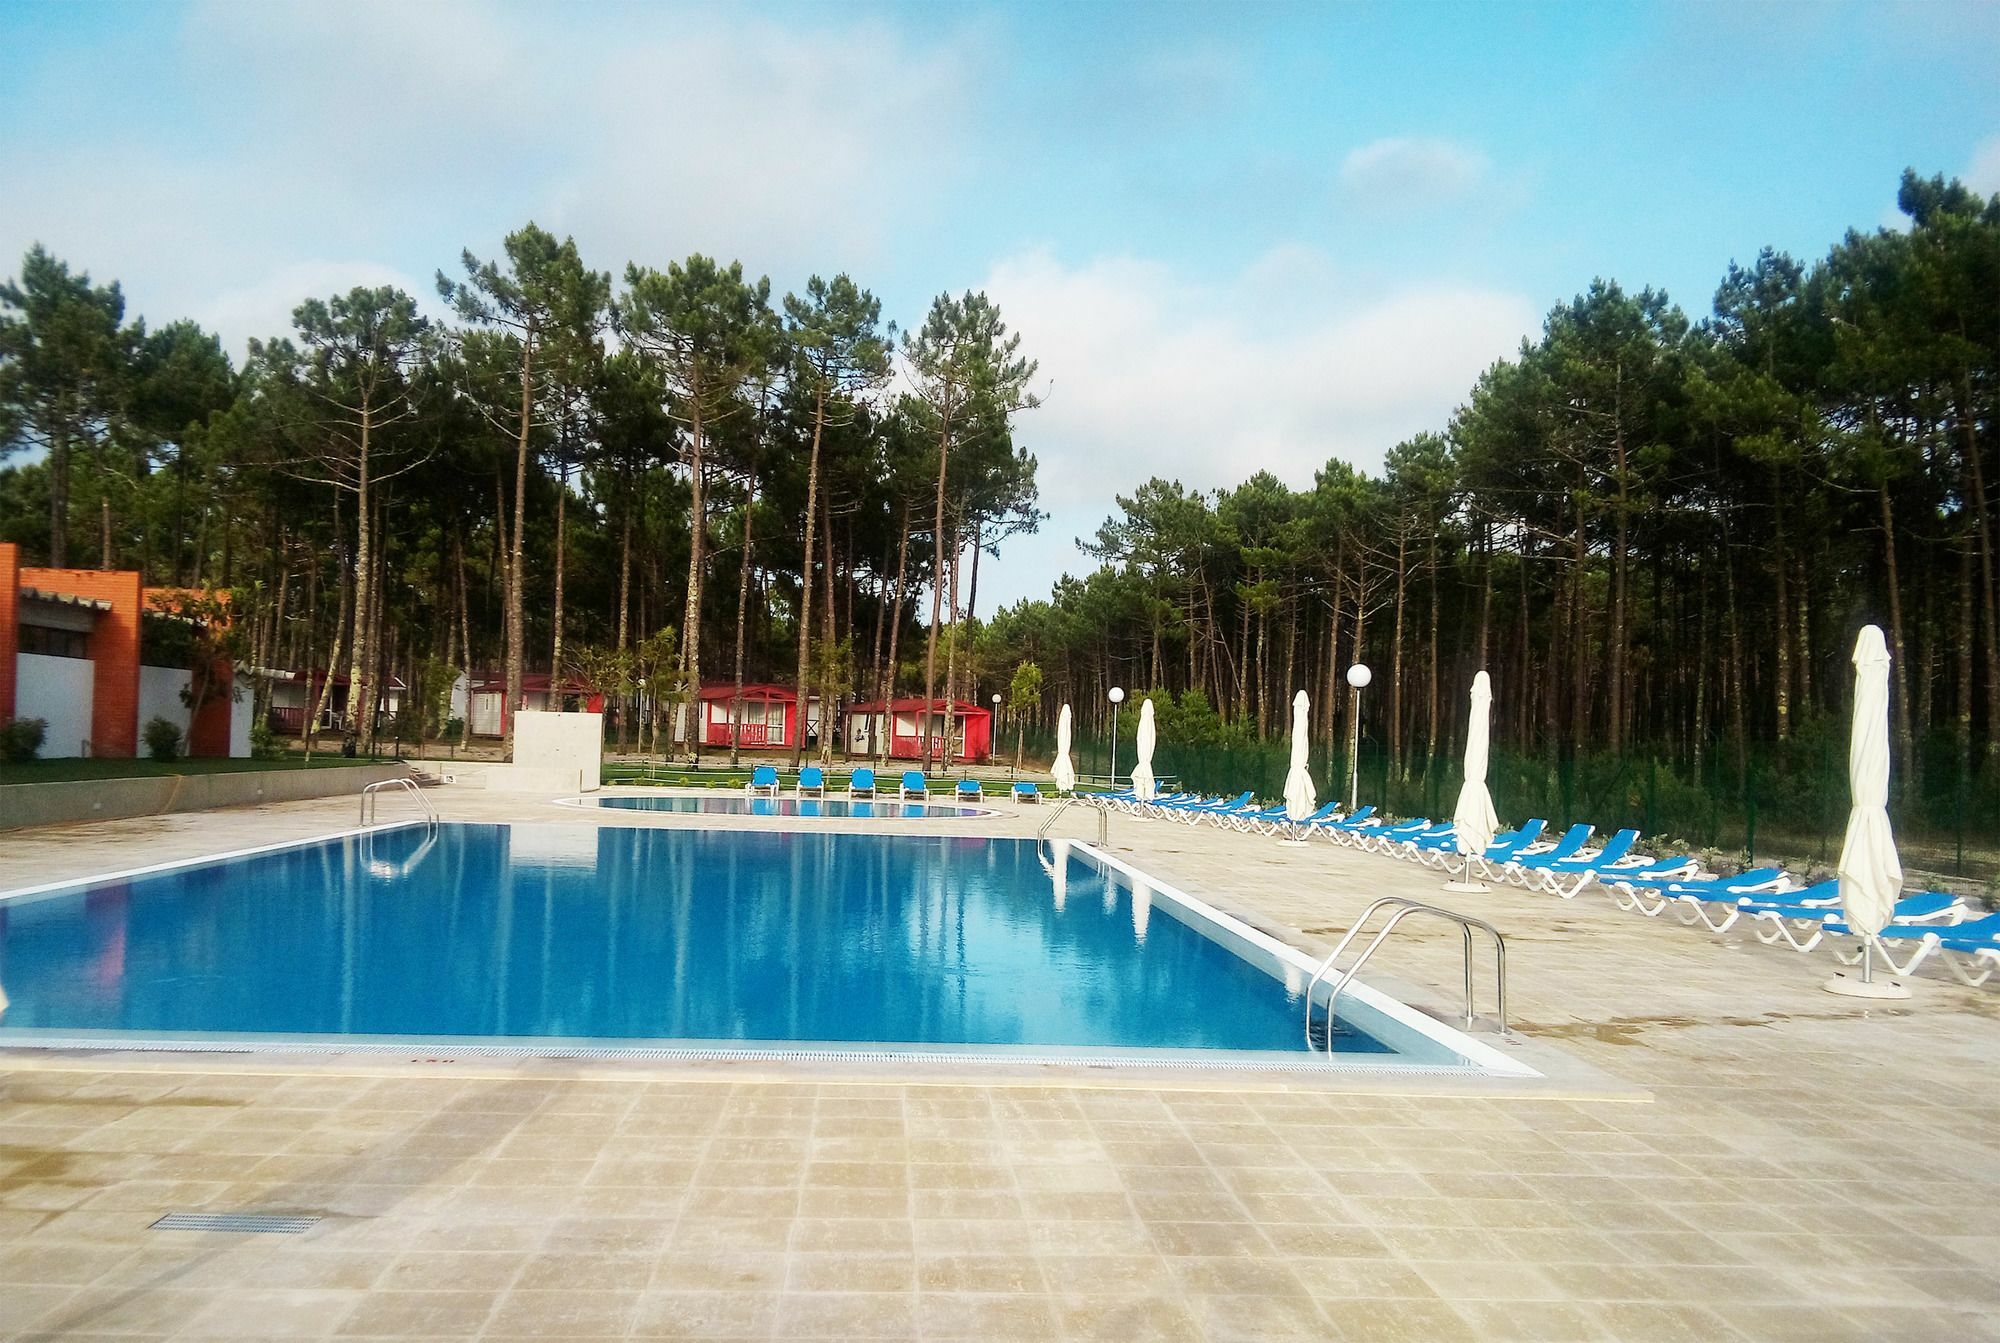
(763, 782)
(914, 784)
(1189, 808)
(1443, 851)
(1025, 791)
(1567, 876)
(861, 783)
(812, 782)
(1341, 831)
(1971, 949)
(1383, 839)
(1650, 895)
(1522, 867)
(1299, 829)
(1247, 819)
(1802, 927)
(968, 790)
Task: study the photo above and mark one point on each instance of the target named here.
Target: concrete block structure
(70, 655)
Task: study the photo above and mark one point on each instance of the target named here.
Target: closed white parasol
(1300, 798)
(1871, 875)
(1065, 771)
(1473, 819)
(1142, 773)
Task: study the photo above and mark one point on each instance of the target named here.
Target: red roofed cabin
(959, 731)
(767, 719)
(487, 699)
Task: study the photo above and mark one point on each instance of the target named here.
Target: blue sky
(1235, 236)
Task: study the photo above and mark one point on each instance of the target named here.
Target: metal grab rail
(368, 806)
(1103, 820)
(1055, 814)
(1340, 981)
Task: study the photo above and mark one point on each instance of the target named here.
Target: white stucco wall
(160, 697)
(561, 743)
(242, 713)
(57, 691)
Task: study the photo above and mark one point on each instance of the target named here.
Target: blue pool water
(633, 933)
(832, 807)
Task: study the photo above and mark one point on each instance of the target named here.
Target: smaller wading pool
(728, 804)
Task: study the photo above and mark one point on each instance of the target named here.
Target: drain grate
(249, 1222)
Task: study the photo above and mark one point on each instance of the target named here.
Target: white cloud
(1982, 174)
(1412, 172)
(1151, 373)
(335, 144)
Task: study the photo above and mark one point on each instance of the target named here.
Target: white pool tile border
(154, 869)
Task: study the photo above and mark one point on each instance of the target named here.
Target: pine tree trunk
(360, 662)
(562, 547)
(1620, 689)
(742, 616)
(950, 651)
(805, 575)
(59, 455)
(1975, 489)
(1396, 761)
(1781, 593)
(1905, 737)
(937, 588)
(625, 578)
(333, 656)
(691, 628)
(516, 617)
(886, 691)
(828, 693)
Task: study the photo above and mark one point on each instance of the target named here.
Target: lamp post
(993, 724)
(639, 713)
(1358, 676)
(1117, 697)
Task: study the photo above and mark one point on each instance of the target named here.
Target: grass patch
(74, 770)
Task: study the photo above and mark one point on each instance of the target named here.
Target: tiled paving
(1806, 1170)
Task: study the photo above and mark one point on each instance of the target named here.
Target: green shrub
(21, 739)
(264, 744)
(163, 739)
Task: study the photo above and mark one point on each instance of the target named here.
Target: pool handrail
(368, 804)
(1404, 908)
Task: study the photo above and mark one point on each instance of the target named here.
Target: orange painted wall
(114, 647)
(10, 623)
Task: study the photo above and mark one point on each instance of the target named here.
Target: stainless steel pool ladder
(1103, 821)
(368, 801)
(1340, 980)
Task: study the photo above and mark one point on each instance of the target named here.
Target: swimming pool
(556, 936)
(727, 804)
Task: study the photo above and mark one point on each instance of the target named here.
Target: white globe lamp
(1358, 677)
(1117, 697)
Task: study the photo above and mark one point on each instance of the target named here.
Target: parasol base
(1465, 887)
(1848, 986)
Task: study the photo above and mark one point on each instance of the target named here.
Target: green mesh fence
(1781, 802)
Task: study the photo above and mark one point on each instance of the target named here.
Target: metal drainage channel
(246, 1222)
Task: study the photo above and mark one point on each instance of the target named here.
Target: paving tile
(1774, 1189)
